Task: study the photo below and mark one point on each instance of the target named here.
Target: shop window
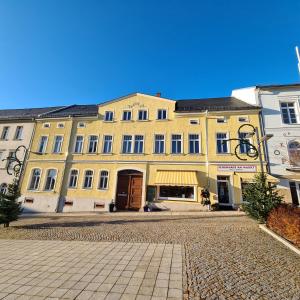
(176, 192)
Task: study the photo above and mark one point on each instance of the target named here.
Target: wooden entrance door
(129, 190)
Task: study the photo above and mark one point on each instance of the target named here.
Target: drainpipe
(206, 155)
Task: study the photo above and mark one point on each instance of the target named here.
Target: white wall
(11, 144)
(248, 95)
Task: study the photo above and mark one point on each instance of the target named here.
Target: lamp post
(15, 164)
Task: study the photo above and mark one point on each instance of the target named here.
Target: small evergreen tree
(260, 198)
(10, 208)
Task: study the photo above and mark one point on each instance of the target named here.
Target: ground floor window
(223, 189)
(176, 192)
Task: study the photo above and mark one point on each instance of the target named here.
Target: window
(107, 144)
(162, 114)
(159, 143)
(57, 144)
(19, 133)
(3, 188)
(127, 144)
(109, 116)
(73, 179)
(60, 125)
(244, 148)
(88, 179)
(46, 125)
(194, 122)
(176, 192)
(221, 120)
(103, 182)
(143, 115)
(126, 115)
(35, 179)
(294, 153)
(81, 125)
(194, 144)
(139, 144)
(93, 143)
(288, 112)
(176, 144)
(243, 119)
(222, 147)
(50, 180)
(43, 144)
(78, 144)
(4, 134)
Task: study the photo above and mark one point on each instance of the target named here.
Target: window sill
(162, 120)
(132, 154)
(177, 154)
(159, 153)
(225, 153)
(112, 121)
(94, 153)
(126, 121)
(142, 120)
(107, 154)
(102, 190)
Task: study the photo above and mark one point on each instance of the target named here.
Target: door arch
(129, 190)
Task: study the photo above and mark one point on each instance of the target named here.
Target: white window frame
(92, 181)
(46, 177)
(245, 117)
(132, 143)
(181, 140)
(179, 199)
(197, 121)
(46, 125)
(16, 132)
(5, 138)
(113, 116)
(81, 123)
(228, 143)
(45, 145)
(107, 185)
(199, 141)
(103, 143)
(60, 125)
(69, 180)
(88, 144)
(30, 179)
(247, 138)
(54, 142)
(164, 150)
(131, 114)
(157, 113)
(82, 147)
(296, 108)
(221, 120)
(147, 116)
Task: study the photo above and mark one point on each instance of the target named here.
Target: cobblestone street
(225, 257)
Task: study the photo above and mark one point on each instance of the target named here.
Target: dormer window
(243, 119)
(46, 125)
(126, 115)
(109, 116)
(60, 125)
(194, 122)
(81, 125)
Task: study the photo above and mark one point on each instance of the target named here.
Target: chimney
(158, 94)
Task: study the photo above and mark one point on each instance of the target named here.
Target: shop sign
(237, 168)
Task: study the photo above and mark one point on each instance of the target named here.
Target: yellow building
(139, 148)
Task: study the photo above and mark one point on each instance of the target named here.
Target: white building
(280, 117)
(16, 129)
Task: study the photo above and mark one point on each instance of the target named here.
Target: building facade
(16, 129)
(139, 148)
(280, 118)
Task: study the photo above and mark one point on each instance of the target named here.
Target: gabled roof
(212, 104)
(25, 114)
(74, 111)
(132, 95)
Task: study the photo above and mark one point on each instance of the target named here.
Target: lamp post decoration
(15, 163)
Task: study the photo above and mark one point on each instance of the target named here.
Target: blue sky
(65, 52)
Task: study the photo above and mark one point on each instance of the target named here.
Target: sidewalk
(138, 214)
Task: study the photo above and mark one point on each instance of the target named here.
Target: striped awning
(176, 178)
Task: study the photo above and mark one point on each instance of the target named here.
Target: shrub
(260, 198)
(285, 221)
(10, 209)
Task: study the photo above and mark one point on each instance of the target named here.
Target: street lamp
(252, 151)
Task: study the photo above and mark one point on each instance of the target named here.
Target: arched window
(294, 153)
(50, 180)
(88, 179)
(35, 179)
(3, 188)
